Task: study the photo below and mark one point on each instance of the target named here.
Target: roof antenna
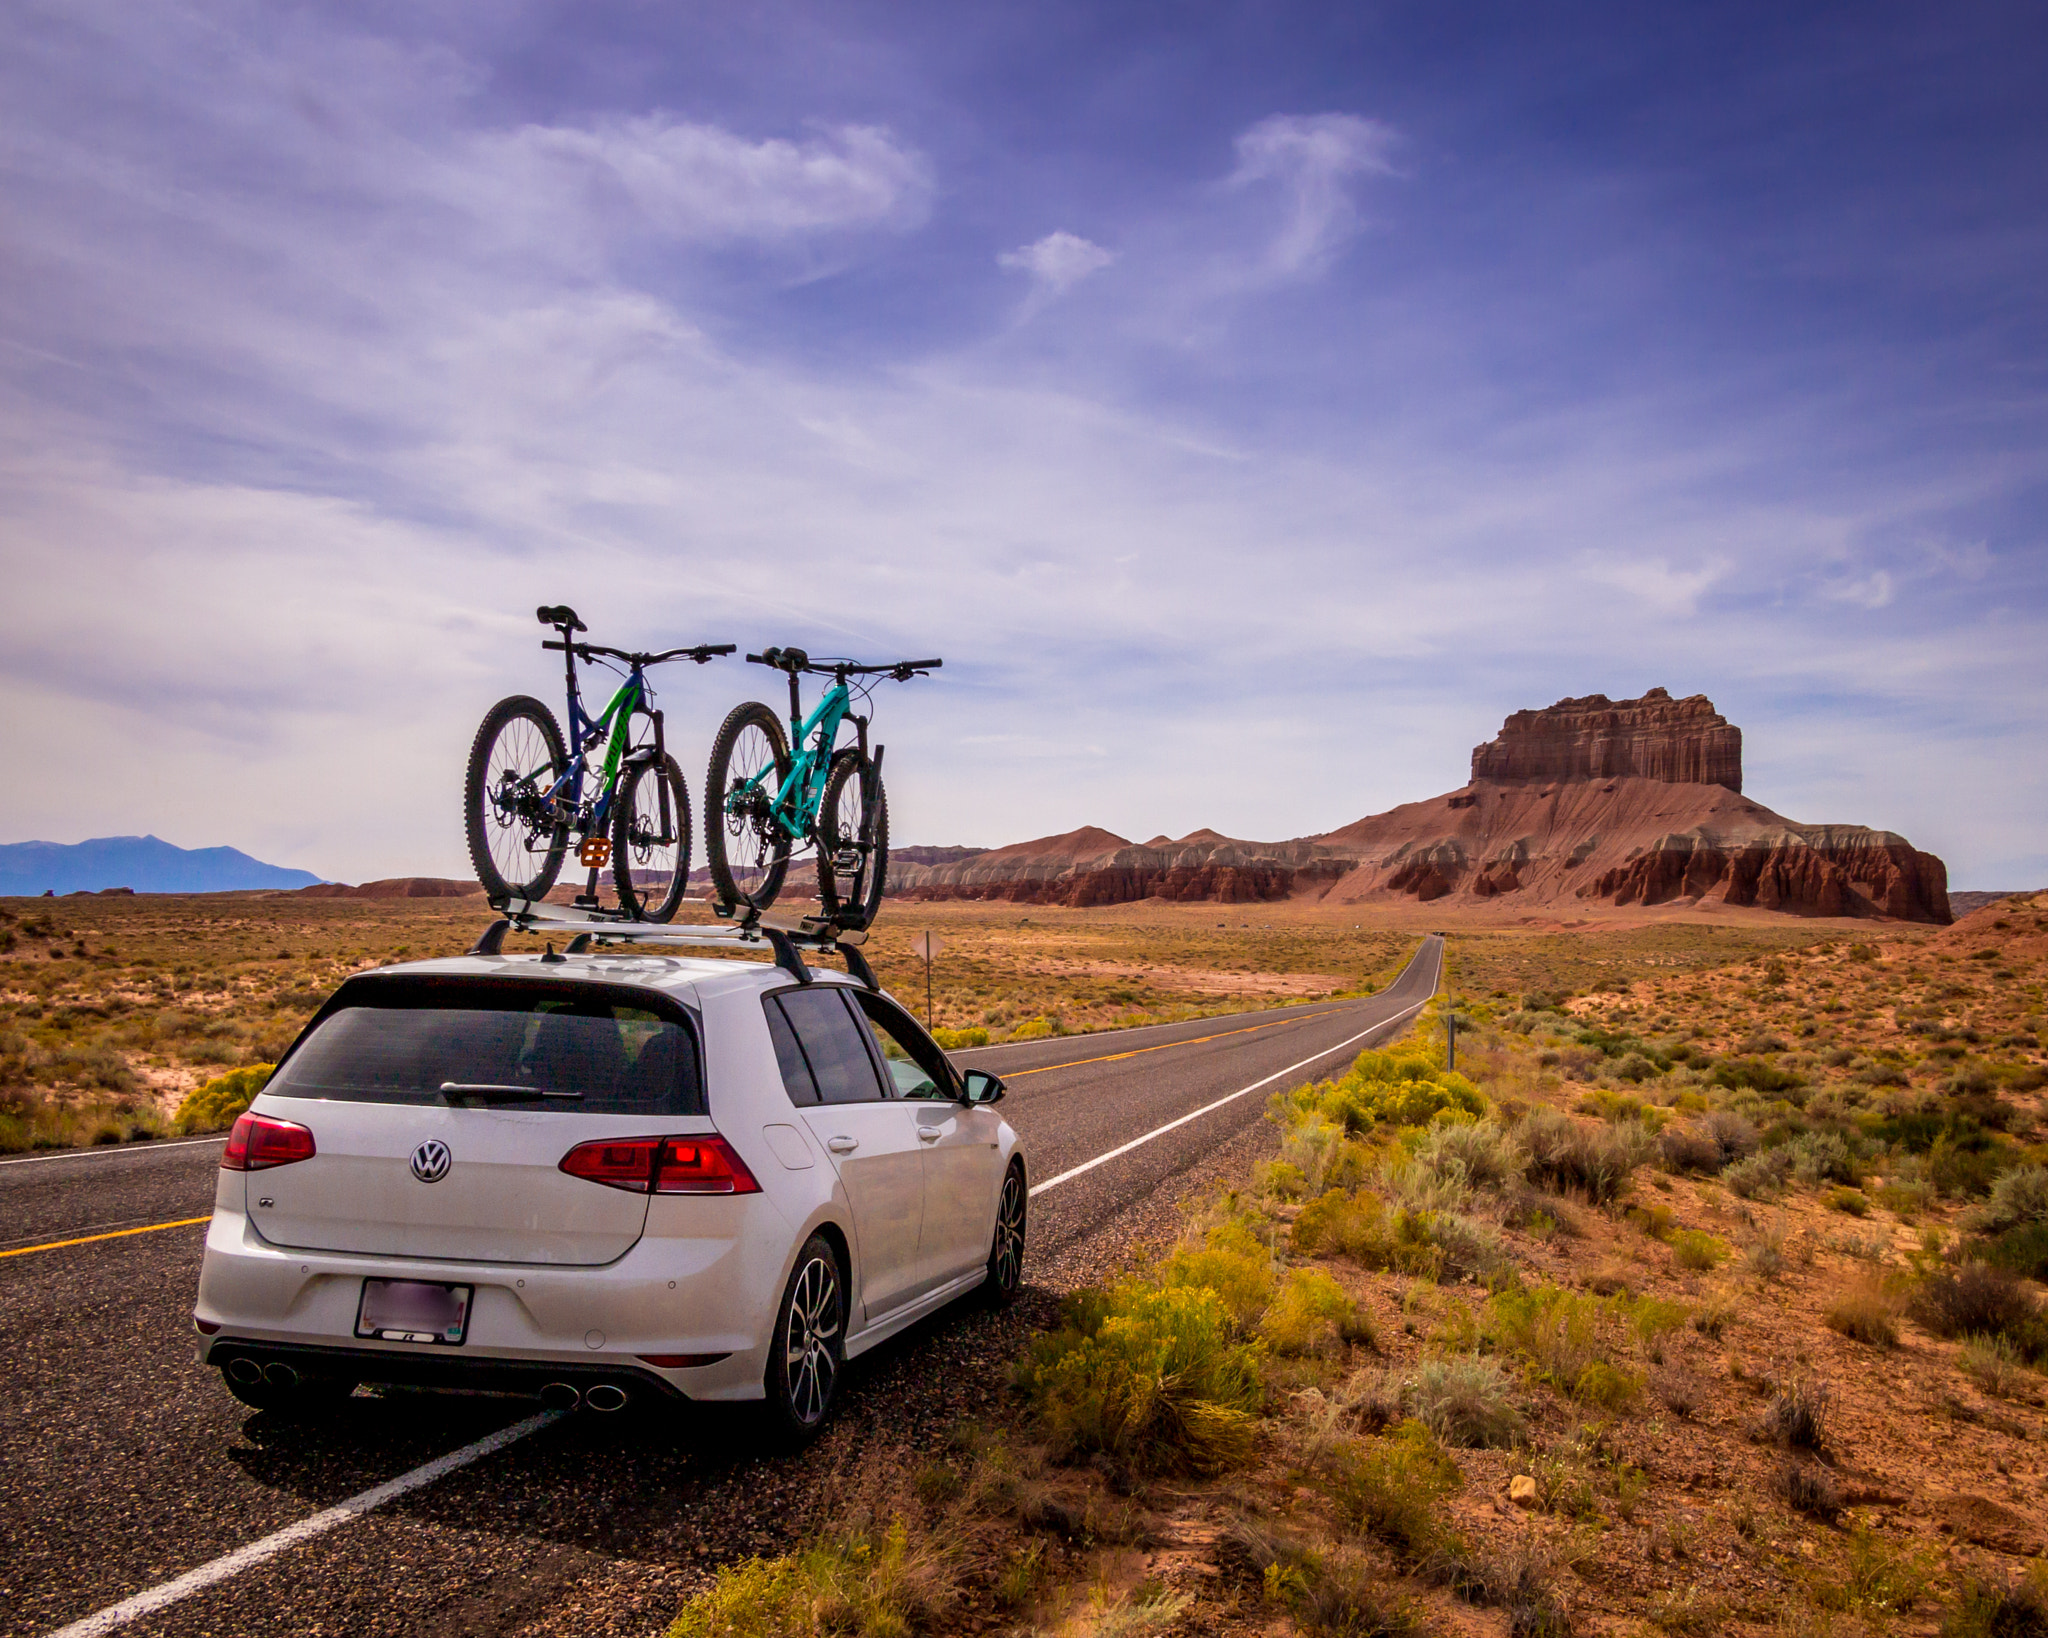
(548, 955)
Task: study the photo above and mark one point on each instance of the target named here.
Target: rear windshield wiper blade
(485, 1089)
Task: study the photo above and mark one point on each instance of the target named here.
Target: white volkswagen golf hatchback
(599, 1178)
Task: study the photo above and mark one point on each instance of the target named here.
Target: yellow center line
(115, 1234)
(1110, 1058)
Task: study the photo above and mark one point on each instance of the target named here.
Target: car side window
(789, 1057)
(829, 1038)
(912, 1058)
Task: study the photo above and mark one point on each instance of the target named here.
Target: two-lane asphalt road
(124, 1465)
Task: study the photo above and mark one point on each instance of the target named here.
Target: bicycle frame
(812, 739)
(585, 730)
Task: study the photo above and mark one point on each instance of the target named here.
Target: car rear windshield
(570, 1047)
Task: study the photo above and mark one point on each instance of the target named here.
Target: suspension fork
(661, 778)
(871, 786)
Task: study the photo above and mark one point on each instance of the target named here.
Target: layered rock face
(1630, 803)
(1678, 742)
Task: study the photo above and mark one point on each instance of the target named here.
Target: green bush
(1760, 1174)
(1036, 1029)
(1339, 1220)
(954, 1040)
(1464, 1402)
(1699, 1250)
(1311, 1314)
(1385, 1089)
(2022, 1250)
(1593, 1161)
(1481, 1155)
(1153, 1377)
(1231, 1263)
(2018, 1198)
(214, 1105)
(873, 1585)
(1394, 1489)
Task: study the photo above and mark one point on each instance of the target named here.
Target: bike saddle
(786, 659)
(559, 614)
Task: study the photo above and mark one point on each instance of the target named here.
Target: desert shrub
(1994, 1364)
(1481, 1155)
(1866, 1312)
(1797, 1418)
(215, 1104)
(2022, 1250)
(1394, 1489)
(1461, 1245)
(1964, 1165)
(1821, 1157)
(873, 1584)
(1569, 1157)
(1282, 1178)
(1036, 1029)
(1153, 1377)
(1231, 1263)
(1563, 1335)
(1464, 1402)
(1854, 1202)
(1807, 1489)
(1690, 1149)
(1990, 1609)
(1384, 1089)
(1760, 1174)
(1340, 1220)
(1343, 1594)
(1312, 1315)
(1735, 1073)
(955, 1040)
(1696, 1249)
(1975, 1299)
(2018, 1198)
(1636, 1068)
(1877, 1578)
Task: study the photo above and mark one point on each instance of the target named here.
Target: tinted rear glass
(491, 1044)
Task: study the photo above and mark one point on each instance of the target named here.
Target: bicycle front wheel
(853, 856)
(745, 847)
(651, 840)
(516, 841)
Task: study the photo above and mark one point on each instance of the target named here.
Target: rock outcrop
(1679, 742)
(1629, 803)
(396, 887)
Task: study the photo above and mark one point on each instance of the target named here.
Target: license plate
(414, 1311)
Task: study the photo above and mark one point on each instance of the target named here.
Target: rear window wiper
(485, 1089)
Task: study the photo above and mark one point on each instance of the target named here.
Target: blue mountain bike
(764, 801)
(527, 796)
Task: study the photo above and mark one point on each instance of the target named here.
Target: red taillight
(259, 1142)
(662, 1165)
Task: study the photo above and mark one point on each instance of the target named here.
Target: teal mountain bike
(765, 801)
(619, 795)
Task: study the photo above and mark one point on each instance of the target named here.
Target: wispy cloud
(1313, 159)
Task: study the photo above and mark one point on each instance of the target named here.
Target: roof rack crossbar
(786, 935)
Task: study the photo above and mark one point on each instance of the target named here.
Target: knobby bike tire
(746, 869)
(641, 896)
(852, 898)
(482, 819)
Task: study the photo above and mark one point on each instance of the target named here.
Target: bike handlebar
(794, 660)
(701, 653)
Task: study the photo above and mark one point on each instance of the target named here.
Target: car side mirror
(982, 1087)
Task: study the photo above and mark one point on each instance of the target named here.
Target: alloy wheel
(809, 1363)
(1009, 1257)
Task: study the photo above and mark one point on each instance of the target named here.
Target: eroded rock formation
(1679, 742)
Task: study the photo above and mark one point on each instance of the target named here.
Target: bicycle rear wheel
(651, 840)
(745, 848)
(516, 841)
(853, 862)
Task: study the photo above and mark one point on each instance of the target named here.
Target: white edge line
(1231, 1097)
(111, 1150)
(192, 1581)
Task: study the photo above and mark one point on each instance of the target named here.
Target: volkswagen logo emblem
(431, 1160)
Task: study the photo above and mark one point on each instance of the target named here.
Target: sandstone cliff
(1630, 802)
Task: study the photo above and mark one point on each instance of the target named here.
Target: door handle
(928, 1134)
(842, 1145)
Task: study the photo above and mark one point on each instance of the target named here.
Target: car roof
(648, 969)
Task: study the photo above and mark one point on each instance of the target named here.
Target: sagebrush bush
(1690, 1149)
(954, 1040)
(1467, 1402)
(1760, 1174)
(1977, 1299)
(1229, 1262)
(1822, 1157)
(1866, 1312)
(1384, 1089)
(2018, 1198)
(872, 1583)
(1346, 1222)
(1394, 1489)
(1573, 1158)
(1480, 1155)
(219, 1101)
(1153, 1377)
(1994, 1364)
(1698, 1250)
(1311, 1314)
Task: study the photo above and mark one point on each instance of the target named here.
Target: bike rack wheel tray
(786, 935)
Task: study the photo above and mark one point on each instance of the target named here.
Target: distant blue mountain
(145, 863)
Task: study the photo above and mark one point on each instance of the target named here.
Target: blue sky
(1254, 404)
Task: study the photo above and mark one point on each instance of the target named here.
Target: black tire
(807, 1353)
(852, 868)
(311, 1396)
(746, 850)
(518, 753)
(651, 839)
(1006, 1250)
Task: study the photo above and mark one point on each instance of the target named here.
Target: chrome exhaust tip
(559, 1396)
(280, 1375)
(606, 1396)
(245, 1371)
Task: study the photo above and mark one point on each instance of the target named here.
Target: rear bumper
(446, 1369)
(529, 1325)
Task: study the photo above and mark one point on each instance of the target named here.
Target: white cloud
(702, 182)
(1871, 591)
(1313, 158)
(1057, 262)
(1658, 584)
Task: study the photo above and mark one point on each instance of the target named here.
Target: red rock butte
(1622, 802)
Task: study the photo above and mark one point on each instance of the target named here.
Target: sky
(1252, 403)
